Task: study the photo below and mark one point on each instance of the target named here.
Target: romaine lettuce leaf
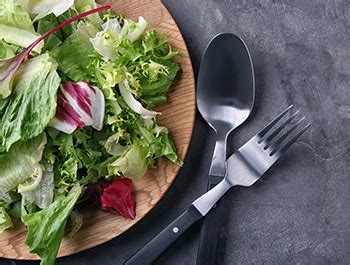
(13, 15)
(32, 103)
(16, 27)
(46, 227)
(5, 220)
(20, 162)
(42, 196)
(3, 104)
(19, 37)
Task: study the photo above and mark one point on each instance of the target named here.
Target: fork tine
(296, 137)
(274, 146)
(278, 130)
(271, 124)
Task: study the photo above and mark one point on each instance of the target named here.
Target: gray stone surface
(299, 213)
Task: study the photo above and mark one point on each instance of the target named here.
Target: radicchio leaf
(112, 196)
(79, 105)
(117, 197)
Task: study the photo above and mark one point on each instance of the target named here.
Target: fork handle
(154, 248)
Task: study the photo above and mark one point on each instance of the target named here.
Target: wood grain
(177, 114)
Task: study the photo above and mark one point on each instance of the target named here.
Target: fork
(244, 168)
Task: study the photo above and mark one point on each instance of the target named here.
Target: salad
(78, 85)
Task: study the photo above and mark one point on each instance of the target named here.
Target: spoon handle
(210, 231)
(218, 162)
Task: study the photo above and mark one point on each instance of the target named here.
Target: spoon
(225, 98)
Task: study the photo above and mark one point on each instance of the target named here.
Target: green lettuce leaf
(4, 204)
(7, 51)
(49, 22)
(46, 227)
(27, 207)
(137, 144)
(67, 162)
(145, 62)
(42, 196)
(86, 5)
(3, 105)
(77, 158)
(133, 164)
(75, 224)
(15, 210)
(154, 90)
(19, 37)
(32, 103)
(5, 220)
(156, 139)
(41, 8)
(20, 162)
(16, 27)
(14, 15)
(76, 54)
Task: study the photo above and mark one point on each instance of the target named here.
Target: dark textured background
(300, 213)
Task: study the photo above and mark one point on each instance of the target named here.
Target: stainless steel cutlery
(244, 168)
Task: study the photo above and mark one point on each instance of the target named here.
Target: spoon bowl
(226, 90)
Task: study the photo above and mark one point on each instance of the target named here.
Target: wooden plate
(177, 115)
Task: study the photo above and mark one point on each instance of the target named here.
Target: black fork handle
(154, 248)
(210, 231)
